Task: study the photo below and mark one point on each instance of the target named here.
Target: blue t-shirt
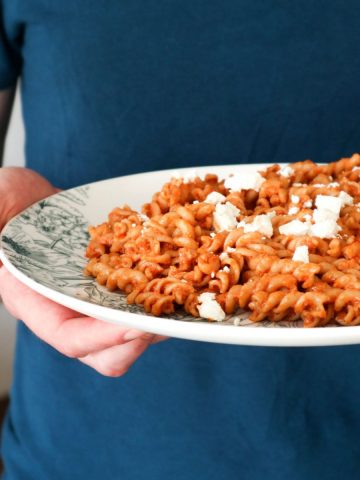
(114, 87)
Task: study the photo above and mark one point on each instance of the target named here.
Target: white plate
(44, 248)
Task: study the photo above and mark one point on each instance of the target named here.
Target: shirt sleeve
(10, 47)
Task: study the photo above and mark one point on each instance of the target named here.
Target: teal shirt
(115, 87)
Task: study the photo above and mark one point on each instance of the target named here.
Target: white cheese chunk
(323, 215)
(295, 228)
(225, 216)
(215, 198)
(308, 204)
(293, 210)
(346, 199)
(328, 202)
(210, 308)
(261, 224)
(244, 181)
(286, 171)
(295, 198)
(301, 254)
(223, 256)
(325, 229)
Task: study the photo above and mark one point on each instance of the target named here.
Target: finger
(69, 332)
(116, 361)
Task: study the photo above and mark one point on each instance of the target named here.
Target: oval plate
(44, 246)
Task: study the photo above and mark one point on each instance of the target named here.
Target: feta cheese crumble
(325, 229)
(328, 202)
(261, 224)
(308, 204)
(346, 199)
(244, 181)
(210, 308)
(295, 228)
(225, 216)
(286, 171)
(295, 199)
(215, 198)
(293, 210)
(301, 254)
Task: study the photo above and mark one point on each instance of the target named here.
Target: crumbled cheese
(195, 202)
(237, 321)
(245, 181)
(144, 217)
(295, 228)
(212, 234)
(318, 185)
(223, 256)
(271, 214)
(323, 215)
(231, 249)
(327, 202)
(210, 308)
(212, 274)
(346, 199)
(333, 184)
(307, 217)
(226, 269)
(225, 216)
(215, 198)
(261, 224)
(293, 210)
(301, 254)
(286, 171)
(308, 204)
(295, 198)
(133, 225)
(325, 229)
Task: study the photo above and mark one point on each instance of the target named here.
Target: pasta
(283, 243)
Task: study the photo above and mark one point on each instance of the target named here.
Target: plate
(44, 246)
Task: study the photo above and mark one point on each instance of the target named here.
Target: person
(112, 88)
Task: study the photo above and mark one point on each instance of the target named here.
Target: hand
(109, 349)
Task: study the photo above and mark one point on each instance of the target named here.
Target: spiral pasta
(281, 244)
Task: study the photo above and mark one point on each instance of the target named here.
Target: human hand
(109, 349)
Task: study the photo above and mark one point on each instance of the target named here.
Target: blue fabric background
(111, 88)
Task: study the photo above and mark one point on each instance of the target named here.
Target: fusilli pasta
(284, 245)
